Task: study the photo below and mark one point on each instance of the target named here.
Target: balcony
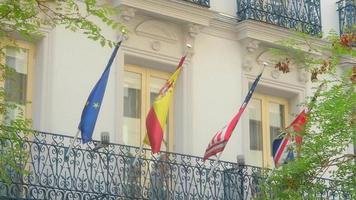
(109, 173)
(300, 15)
(204, 3)
(347, 15)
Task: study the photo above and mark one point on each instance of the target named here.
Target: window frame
(30, 70)
(266, 142)
(146, 75)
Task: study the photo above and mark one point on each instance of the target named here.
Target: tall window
(141, 87)
(267, 116)
(18, 84)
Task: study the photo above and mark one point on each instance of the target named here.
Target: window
(141, 87)
(267, 116)
(18, 84)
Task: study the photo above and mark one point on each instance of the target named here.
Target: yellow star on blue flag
(92, 107)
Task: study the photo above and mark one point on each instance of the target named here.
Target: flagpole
(188, 46)
(72, 144)
(77, 134)
(214, 165)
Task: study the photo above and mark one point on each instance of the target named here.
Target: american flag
(220, 139)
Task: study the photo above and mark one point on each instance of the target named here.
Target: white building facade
(227, 55)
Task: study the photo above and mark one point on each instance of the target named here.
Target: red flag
(298, 125)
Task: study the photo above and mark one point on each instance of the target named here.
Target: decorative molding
(264, 56)
(252, 46)
(247, 65)
(156, 46)
(127, 13)
(192, 30)
(251, 51)
(180, 10)
(151, 55)
(157, 30)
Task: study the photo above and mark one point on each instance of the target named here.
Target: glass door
(133, 99)
(156, 82)
(254, 155)
(141, 87)
(267, 117)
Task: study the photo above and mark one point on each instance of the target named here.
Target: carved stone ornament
(247, 65)
(127, 14)
(157, 30)
(156, 45)
(252, 46)
(192, 31)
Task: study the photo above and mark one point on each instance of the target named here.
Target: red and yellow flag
(157, 116)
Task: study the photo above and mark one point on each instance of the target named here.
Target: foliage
(27, 17)
(330, 128)
(24, 20)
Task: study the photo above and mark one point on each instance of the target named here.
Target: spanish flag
(157, 116)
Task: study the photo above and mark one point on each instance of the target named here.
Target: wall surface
(217, 91)
(73, 66)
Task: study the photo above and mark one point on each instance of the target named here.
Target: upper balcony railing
(347, 15)
(205, 3)
(109, 173)
(300, 15)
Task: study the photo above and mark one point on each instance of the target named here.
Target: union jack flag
(282, 151)
(220, 139)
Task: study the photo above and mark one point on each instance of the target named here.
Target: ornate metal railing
(347, 15)
(109, 173)
(300, 15)
(205, 3)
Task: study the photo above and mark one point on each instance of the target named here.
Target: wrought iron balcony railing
(347, 15)
(300, 15)
(109, 173)
(204, 3)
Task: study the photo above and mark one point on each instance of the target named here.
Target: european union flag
(93, 104)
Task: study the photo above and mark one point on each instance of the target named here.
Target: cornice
(270, 33)
(170, 8)
(222, 25)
